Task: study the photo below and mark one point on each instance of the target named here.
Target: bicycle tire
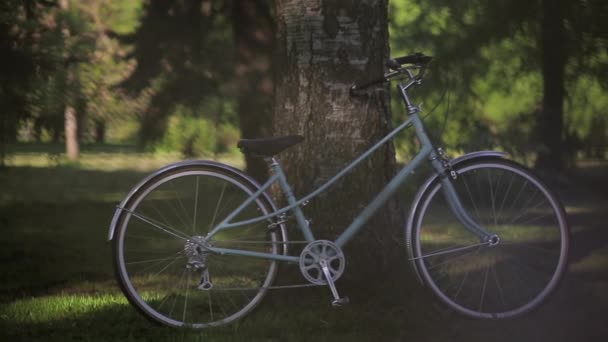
(150, 248)
(506, 280)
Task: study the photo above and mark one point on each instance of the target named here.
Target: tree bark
(72, 145)
(324, 47)
(71, 133)
(551, 119)
(254, 43)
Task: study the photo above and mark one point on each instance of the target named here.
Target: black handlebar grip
(393, 64)
(417, 58)
(361, 86)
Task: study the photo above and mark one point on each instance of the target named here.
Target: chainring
(311, 257)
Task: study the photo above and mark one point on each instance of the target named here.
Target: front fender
(188, 163)
(425, 187)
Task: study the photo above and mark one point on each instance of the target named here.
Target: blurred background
(95, 94)
(188, 78)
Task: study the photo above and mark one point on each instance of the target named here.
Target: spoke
(536, 218)
(466, 275)
(504, 199)
(541, 272)
(480, 189)
(186, 298)
(529, 246)
(162, 303)
(150, 260)
(483, 289)
(492, 198)
(141, 237)
(175, 300)
(171, 231)
(450, 250)
(210, 302)
(527, 207)
(516, 200)
(524, 287)
(500, 291)
(447, 261)
(217, 206)
(464, 181)
(164, 267)
(195, 206)
(181, 204)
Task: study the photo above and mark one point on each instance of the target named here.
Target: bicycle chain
(275, 287)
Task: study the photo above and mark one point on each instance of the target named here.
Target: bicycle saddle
(268, 147)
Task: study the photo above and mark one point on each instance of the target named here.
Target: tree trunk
(551, 119)
(72, 146)
(254, 40)
(71, 133)
(324, 47)
(2, 137)
(100, 131)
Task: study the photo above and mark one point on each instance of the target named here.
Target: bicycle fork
(448, 175)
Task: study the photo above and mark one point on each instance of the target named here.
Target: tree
(184, 59)
(72, 144)
(253, 28)
(323, 48)
(551, 116)
(522, 68)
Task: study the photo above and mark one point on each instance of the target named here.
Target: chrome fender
(188, 163)
(425, 187)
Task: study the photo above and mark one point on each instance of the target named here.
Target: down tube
(383, 196)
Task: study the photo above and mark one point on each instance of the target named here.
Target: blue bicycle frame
(295, 206)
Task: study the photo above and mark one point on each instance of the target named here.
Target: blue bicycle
(198, 243)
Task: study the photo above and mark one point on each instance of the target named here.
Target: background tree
(253, 27)
(504, 63)
(324, 47)
(184, 62)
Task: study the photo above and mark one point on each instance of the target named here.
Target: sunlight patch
(47, 309)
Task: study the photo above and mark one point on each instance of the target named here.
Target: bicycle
(197, 243)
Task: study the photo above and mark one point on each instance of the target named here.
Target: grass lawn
(56, 276)
(57, 281)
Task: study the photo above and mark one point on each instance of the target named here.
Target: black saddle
(268, 147)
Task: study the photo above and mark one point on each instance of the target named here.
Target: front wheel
(160, 248)
(485, 280)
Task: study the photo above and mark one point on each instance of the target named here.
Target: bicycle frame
(295, 206)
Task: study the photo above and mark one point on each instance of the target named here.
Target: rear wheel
(160, 253)
(484, 280)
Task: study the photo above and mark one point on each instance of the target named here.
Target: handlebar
(396, 65)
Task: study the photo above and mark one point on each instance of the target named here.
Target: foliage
(137, 63)
(188, 134)
(488, 60)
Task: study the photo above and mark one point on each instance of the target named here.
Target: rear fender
(189, 163)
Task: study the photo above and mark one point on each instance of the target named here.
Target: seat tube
(291, 200)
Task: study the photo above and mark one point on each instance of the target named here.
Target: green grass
(57, 281)
(56, 276)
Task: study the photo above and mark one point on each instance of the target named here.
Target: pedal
(340, 301)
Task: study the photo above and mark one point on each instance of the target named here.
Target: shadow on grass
(293, 315)
(54, 224)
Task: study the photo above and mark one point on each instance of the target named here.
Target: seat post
(272, 162)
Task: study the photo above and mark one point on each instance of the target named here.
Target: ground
(56, 279)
